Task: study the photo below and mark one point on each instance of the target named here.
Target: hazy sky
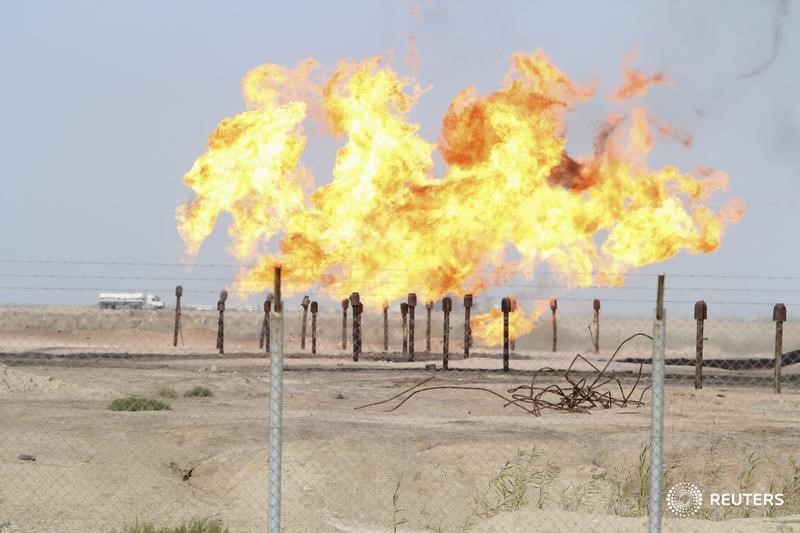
(105, 105)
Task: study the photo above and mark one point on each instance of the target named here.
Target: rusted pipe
(386, 327)
(223, 295)
(447, 306)
(178, 294)
(355, 303)
(467, 325)
(412, 304)
(505, 307)
(779, 316)
(700, 315)
(429, 309)
(314, 309)
(596, 305)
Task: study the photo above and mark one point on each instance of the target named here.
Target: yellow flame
(488, 327)
(385, 226)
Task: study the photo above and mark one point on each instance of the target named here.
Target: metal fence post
(700, 314)
(779, 316)
(467, 325)
(178, 294)
(657, 411)
(412, 304)
(505, 307)
(275, 411)
(447, 306)
(596, 306)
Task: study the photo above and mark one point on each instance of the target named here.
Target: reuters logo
(684, 499)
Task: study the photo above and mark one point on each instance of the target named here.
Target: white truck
(129, 300)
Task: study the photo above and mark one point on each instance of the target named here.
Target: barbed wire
(522, 296)
(527, 285)
(421, 270)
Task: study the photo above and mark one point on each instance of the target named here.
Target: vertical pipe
(554, 309)
(596, 305)
(178, 294)
(304, 304)
(467, 325)
(275, 413)
(386, 326)
(505, 307)
(404, 314)
(357, 312)
(447, 306)
(779, 316)
(266, 330)
(657, 411)
(412, 304)
(700, 314)
(223, 295)
(428, 308)
(314, 309)
(345, 302)
(355, 303)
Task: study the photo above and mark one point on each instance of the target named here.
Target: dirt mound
(17, 381)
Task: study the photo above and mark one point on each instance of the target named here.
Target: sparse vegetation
(202, 525)
(397, 519)
(135, 403)
(530, 479)
(509, 489)
(198, 392)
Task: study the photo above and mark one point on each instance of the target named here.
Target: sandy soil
(95, 469)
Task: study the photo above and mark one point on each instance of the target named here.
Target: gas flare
(384, 225)
(488, 327)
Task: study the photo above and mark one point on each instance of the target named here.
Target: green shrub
(204, 525)
(198, 392)
(134, 403)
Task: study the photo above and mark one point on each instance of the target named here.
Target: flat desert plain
(448, 459)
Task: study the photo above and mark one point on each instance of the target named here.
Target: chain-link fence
(116, 418)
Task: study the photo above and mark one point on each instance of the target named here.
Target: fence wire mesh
(112, 417)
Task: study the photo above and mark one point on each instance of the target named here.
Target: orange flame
(385, 226)
(488, 327)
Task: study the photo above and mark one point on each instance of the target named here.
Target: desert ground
(447, 459)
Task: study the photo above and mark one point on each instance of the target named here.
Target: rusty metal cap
(223, 295)
(345, 303)
(553, 304)
(314, 307)
(404, 309)
(268, 306)
(412, 299)
(178, 290)
(779, 313)
(596, 304)
(447, 304)
(355, 299)
(429, 305)
(505, 305)
(306, 301)
(700, 310)
(467, 300)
